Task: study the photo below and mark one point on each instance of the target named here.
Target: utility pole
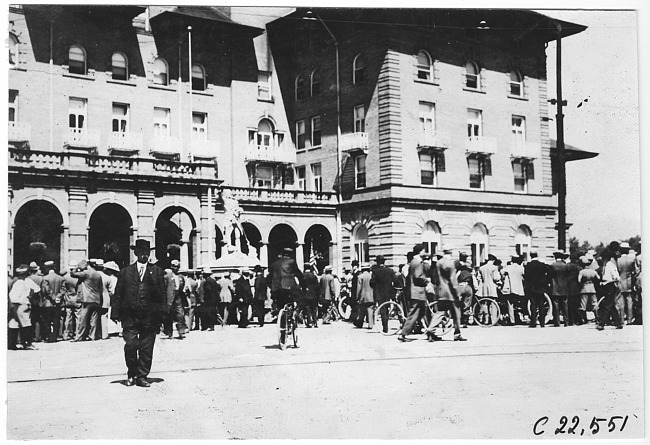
(561, 184)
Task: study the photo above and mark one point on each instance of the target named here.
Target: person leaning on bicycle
(284, 279)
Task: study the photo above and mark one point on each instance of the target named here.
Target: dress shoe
(130, 381)
(459, 338)
(141, 381)
(600, 328)
(433, 337)
(619, 327)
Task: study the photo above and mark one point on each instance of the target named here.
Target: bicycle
(287, 325)
(396, 316)
(344, 305)
(485, 311)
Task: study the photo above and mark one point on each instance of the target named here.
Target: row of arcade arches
(38, 235)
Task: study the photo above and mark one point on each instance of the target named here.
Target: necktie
(142, 268)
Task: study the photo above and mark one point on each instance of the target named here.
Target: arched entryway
(360, 245)
(281, 236)
(431, 237)
(109, 236)
(523, 242)
(176, 238)
(316, 249)
(480, 243)
(253, 240)
(37, 233)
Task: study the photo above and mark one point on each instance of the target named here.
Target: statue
(233, 212)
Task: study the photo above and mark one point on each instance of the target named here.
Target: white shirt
(21, 290)
(610, 274)
(141, 268)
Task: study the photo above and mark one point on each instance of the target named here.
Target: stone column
(264, 253)
(300, 256)
(206, 243)
(185, 254)
(146, 224)
(78, 231)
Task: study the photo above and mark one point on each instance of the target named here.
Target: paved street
(340, 383)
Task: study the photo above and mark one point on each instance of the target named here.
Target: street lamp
(310, 15)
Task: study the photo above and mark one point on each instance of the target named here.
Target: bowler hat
(380, 259)
(257, 268)
(141, 244)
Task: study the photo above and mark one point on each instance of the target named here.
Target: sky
(601, 65)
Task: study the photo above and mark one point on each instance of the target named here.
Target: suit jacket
(243, 289)
(559, 273)
(489, 276)
(536, 277)
(417, 279)
(447, 288)
(327, 287)
(131, 294)
(282, 274)
(627, 269)
(364, 290)
(310, 286)
(53, 289)
(260, 287)
(210, 289)
(383, 283)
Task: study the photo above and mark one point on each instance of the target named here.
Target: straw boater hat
(175, 263)
(328, 268)
(112, 265)
(207, 271)
(48, 264)
(33, 266)
(365, 266)
(21, 270)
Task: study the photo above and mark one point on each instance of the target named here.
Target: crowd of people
(76, 304)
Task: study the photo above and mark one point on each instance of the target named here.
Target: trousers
(88, 321)
(139, 332)
(537, 308)
(417, 311)
(50, 323)
(560, 306)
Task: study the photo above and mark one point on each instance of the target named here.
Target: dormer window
(198, 77)
(472, 75)
(160, 72)
(77, 60)
(358, 70)
(315, 82)
(119, 66)
(516, 84)
(424, 66)
(13, 49)
(300, 87)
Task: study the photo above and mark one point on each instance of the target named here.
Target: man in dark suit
(175, 298)
(383, 287)
(535, 285)
(139, 303)
(282, 279)
(559, 274)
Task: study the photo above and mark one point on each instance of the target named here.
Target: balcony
(67, 162)
(481, 145)
(204, 149)
(436, 140)
(525, 150)
(167, 147)
(19, 132)
(355, 143)
(125, 144)
(82, 138)
(285, 153)
(279, 195)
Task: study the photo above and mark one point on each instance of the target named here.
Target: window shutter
(530, 170)
(440, 162)
(487, 167)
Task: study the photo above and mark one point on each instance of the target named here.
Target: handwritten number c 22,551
(594, 426)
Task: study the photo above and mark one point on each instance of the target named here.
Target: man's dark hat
(380, 259)
(491, 257)
(257, 268)
(287, 250)
(141, 244)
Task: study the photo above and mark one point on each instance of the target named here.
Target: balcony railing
(82, 138)
(481, 144)
(436, 139)
(523, 149)
(19, 132)
(285, 153)
(167, 146)
(75, 161)
(275, 195)
(205, 149)
(125, 142)
(355, 142)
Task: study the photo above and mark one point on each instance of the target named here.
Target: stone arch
(480, 243)
(176, 237)
(281, 235)
(316, 249)
(38, 228)
(110, 230)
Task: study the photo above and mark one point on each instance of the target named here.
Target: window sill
(161, 87)
(524, 98)
(427, 82)
(264, 99)
(301, 150)
(473, 90)
(315, 148)
(17, 68)
(78, 76)
(200, 93)
(121, 82)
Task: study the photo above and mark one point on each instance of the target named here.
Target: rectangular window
(361, 251)
(475, 173)
(474, 127)
(13, 105)
(264, 85)
(77, 112)
(523, 171)
(301, 175)
(518, 130)
(120, 118)
(264, 177)
(359, 119)
(316, 175)
(200, 126)
(161, 121)
(360, 172)
(427, 118)
(427, 169)
(315, 131)
(301, 136)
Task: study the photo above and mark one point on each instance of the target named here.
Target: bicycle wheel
(441, 321)
(548, 305)
(345, 308)
(394, 318)
(294, 334)
(486, 312)
(282, 329)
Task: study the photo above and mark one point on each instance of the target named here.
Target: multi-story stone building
(438, 119)
(131, 122)
(120, 128)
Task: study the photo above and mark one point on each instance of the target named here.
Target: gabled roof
(203, 16)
